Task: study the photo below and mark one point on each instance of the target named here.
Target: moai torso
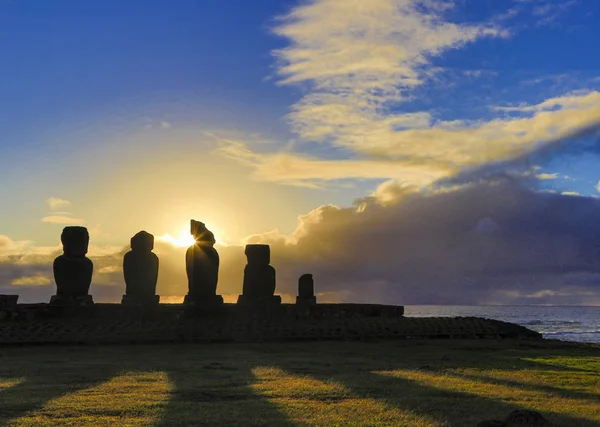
(73, 270)
(259, 276)
(202, 263)
(140, 267)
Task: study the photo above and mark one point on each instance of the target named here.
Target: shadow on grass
(48, 379)
(215, 393)
(215, 384)
(431, 398)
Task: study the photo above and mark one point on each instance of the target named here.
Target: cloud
(547, 176)
(598, 187)
(58, 213)
(57, 204)
(479, 244)
(488, 243)
(38, 280)
(359, 70)
(548, 12)
(5, 242)
(63, 219)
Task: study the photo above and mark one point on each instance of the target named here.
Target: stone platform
(173, 323)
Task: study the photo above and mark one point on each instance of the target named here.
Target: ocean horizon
(566, 323)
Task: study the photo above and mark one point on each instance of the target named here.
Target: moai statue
(202, 266)
(73, 270)
(140, 269)
(259, 277)
(306, 290)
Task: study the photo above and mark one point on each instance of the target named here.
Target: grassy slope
(401, 383)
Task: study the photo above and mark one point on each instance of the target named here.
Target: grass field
(400, 383)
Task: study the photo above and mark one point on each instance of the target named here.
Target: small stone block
(267, 300)
(8, 300)
(203, 301)
(66, 300)
(491, 423)
(137, 300)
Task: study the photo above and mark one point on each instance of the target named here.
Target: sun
(183, 239)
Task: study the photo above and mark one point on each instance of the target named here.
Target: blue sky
(123, 115)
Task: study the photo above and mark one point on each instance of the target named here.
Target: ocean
(580, 324)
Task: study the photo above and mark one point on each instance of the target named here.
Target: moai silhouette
(202, 266)
(259, 277)
(140, 269)
(306, 290)
(73, 270)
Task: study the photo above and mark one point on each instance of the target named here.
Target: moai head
(258, 254)
(306, 287)
(202, 235)
(75, 241)
(142, 241)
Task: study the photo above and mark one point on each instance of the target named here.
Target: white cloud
(63, 219)
(598, 186)
(547, 176)
(37, 280)
(57, 204)
(361, 66)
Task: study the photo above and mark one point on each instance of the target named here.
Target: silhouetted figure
(202, 266)
(306, 290)
(73, 270)
(259, 276)
(140, 269)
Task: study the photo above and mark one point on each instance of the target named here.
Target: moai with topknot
(202, 267)
(73, 270)
(259, 277)
(306, 290)
(140, 269)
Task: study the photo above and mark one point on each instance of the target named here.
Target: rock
(73, 270)
(202, 266)
(527, 418)
(140, 269)
(306, 290)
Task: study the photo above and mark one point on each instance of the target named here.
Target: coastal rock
(140, 270)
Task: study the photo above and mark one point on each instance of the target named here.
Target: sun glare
(185, 239)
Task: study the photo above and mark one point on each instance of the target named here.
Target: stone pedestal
(140, 270)
(266, 301)
(70, 300)
(140, 300)
(203, 300)
(306, 290)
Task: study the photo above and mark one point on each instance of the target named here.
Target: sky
(402, 151)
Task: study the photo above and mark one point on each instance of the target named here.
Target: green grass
(401, 383)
